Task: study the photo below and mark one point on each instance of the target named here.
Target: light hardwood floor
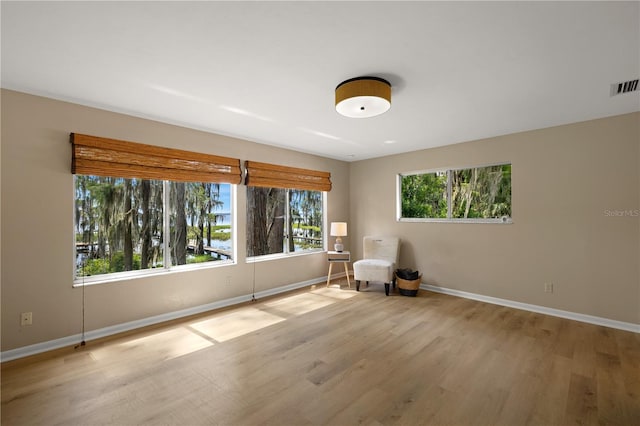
(334, 356)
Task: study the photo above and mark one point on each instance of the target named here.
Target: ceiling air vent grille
(624, 87)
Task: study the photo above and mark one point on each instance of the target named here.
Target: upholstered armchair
(380, 257)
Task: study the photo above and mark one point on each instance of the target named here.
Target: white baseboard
(626, 326)
(132, 325)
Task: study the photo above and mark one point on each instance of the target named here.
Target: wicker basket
(408, 287)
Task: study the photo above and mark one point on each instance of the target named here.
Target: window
(285, 209)
(202, 212)
(121, 224)
(283, 221)
(165, 207)
(424, 195)
(473, 194)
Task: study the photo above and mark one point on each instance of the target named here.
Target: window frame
(449, 219)
(167, 267)
(286, 253)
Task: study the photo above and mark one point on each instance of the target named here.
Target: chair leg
(386, 289)
(357, 285)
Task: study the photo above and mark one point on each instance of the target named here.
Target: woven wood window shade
(273, 176)
(98, 156)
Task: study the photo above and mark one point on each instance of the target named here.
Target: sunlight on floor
(300, 303)
(236, 323)
(183, 341)
(223, 326)
(334, 292)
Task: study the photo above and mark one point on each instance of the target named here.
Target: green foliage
(314, 229)
(117, 262)
(192, 233)
(117, 215)
(200, 258)
(94, 267)
(217, 232)
(106, 266)
(481, 192)
(222, 236)
(424, 195)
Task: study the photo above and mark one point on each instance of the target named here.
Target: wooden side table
(338, 256)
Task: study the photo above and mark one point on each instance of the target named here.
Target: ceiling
(267, 71)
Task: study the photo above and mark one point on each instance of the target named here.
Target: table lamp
(338, 229)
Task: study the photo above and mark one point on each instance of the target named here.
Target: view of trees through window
(424, 195)
(283, 221)
(473, 193)
(120, 224)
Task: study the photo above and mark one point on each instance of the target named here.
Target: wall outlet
(548, 287)
(227, 280)
(26, 318)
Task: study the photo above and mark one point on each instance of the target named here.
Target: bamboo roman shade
(274, 176)
(98, 156)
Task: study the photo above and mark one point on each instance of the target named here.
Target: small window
(471, 194)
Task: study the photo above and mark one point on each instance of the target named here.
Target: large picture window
(471, 194)
(143, 207)
(124, 225)
(283, 221)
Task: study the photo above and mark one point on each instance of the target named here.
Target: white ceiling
(266, 71)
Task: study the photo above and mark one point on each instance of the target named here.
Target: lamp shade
(338, 229)
(363, 97)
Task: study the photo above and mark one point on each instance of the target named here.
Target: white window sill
(276, 256)
(502, 221)
(134, 275)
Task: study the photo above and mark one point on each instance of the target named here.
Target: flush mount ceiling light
(363, 97)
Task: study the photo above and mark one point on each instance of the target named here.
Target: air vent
(624, 87)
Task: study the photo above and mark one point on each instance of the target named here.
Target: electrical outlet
(548, 287)
(227, 280)
(26, 318)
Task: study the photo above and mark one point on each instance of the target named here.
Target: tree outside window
(283, 221)
(425, 195)
(479, 193)
(120, 224)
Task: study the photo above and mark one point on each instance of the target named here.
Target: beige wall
(565, 179)
(37, 224)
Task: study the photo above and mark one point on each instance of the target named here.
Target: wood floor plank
(338, 357)
(582, 401)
